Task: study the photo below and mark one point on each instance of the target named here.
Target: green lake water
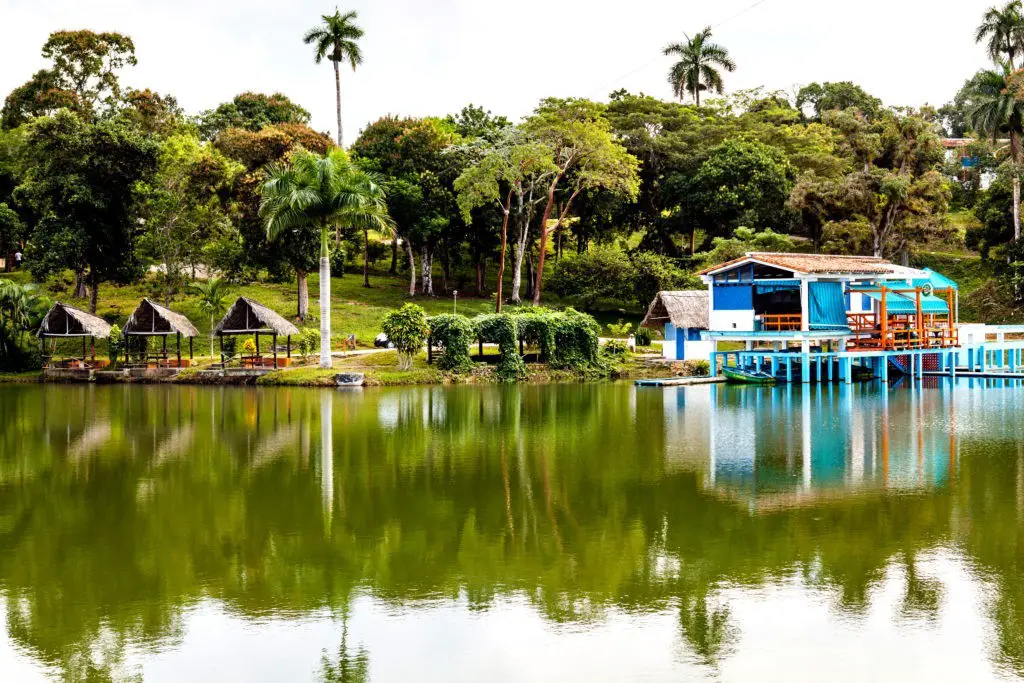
(562, 533)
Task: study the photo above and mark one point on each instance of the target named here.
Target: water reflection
(704, 530)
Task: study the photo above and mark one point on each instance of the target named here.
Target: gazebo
(247, 317)
(64, 322)
(151, 319)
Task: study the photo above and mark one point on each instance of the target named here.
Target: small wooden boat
(739, 376)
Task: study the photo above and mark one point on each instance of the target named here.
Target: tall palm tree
(996, 111)
(337, 40)
(1004, 31)
(213, 298)
(695, 70)
(328, 192)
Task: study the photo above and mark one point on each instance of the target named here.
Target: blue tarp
(776, 286)
(827, 305)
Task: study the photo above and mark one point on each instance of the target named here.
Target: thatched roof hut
(685, 310)
(67, 321)
(152, 319)
(249, 317)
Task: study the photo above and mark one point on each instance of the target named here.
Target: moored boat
(740, 376)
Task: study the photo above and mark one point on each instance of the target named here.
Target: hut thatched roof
(688, 309)
(150, 318)
(247, 316)
(67, 321)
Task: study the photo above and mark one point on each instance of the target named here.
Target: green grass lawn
(355, 309)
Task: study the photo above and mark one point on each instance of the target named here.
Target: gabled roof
(822, 264)
(152, 318)
(68, 321)
(248, 316)
(686, 309)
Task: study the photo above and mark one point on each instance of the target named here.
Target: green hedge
(500, 329)
(453, 333)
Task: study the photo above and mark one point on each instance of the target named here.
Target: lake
(536, 533)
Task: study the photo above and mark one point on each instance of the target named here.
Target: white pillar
(805, 320)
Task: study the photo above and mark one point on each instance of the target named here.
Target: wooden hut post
(481, 347)
(190, 348)
(274, 342)
(178, 335)
(92, 345)
(84, 354)
(220, 338)
(288, 344)
(430, 351)
(258, 345)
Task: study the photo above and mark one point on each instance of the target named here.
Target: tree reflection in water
(121, 507)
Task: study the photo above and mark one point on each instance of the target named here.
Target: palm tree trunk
(366, 257)
(337, 92)
(325, 300)
(302, 284)
(212, 324)
(1016, 204)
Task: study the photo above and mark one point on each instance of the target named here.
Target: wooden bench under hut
(67, 322)
(151, 319)
(247, 317)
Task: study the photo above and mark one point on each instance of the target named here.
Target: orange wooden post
(949, 318)
(885, 319)
(920, 321)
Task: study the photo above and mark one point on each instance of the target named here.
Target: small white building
(682, 316)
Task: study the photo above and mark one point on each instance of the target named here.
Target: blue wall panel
(734, 297)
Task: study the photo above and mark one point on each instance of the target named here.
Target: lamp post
(455, 301)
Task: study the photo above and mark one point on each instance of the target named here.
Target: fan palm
(337, 40)
(330, 193)
(997, 112)
(213, 299)
(1004, 31)
(695, 70)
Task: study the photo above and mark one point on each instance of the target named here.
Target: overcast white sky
(433, 56)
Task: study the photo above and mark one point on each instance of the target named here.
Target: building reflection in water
(791, 445)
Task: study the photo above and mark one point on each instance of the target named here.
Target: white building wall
(698, 350)
(728, 321)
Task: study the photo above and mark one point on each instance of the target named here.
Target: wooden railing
(901, 332)
(788, 322)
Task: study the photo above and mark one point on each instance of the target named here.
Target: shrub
(533, 326)
(407, 329)
(309, 341)
(575, 337)
(695, 368)
(229, 346)
(500, 329)
(115, 344)
(615, 349)
(620, 329)
(603, 272)
(453, 333)
(642, 336)
(653, 273)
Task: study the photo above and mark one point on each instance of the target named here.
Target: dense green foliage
(407, 329)
(453, 333)
(601, 203)
(500, 329)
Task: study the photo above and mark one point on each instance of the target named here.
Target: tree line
(102, 183)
